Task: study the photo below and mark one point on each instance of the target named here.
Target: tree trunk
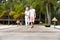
(48, 16)
(45, 18)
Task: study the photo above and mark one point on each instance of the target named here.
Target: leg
(25, 21)
(32, 23)
(28, 21)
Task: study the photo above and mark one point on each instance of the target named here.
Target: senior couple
(30, 16)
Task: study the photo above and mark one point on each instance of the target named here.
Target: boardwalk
(22, 28)
(14, 32)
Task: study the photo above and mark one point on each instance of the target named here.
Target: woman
(27, 16)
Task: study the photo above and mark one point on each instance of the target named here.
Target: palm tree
(50, 8)
(47, 11)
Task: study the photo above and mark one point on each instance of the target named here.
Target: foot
(32, 27)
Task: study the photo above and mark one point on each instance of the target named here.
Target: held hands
(26, 15)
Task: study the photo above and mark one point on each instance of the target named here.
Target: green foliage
(2, 14)
(16, 7)
(12, 13)
(16, 11)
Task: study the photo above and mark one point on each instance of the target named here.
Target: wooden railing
(8, 21)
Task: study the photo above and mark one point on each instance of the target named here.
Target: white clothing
(32, 12)
(27, 18)
(26, 13)
(26, 21)
(32, 15)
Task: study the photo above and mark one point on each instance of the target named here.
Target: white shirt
(26, 13)
(32, 12)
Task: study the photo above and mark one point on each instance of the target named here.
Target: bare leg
(32, 24)
(28, 22)
(25, 22)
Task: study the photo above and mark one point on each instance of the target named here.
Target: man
(32, 16)
(27, 16)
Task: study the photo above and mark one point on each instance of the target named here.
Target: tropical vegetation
(45, 9)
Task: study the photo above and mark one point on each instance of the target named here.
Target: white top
(32, 12)
(26, 13)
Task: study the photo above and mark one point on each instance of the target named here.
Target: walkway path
(14, 32)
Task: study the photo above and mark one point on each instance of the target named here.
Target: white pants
(27, 20)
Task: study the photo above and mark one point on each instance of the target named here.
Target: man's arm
(35, 14)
